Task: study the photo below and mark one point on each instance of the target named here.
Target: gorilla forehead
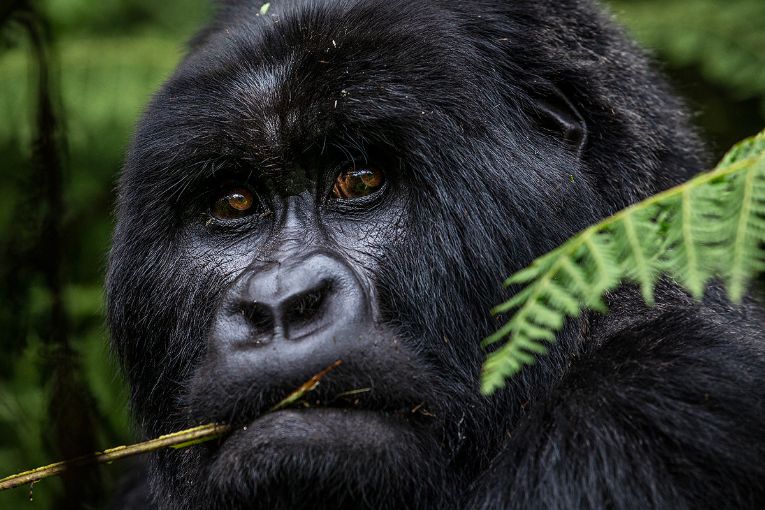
(275, 84)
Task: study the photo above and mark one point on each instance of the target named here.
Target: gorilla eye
(358, 182)
(234, 202)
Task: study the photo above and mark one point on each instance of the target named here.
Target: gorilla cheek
(159, 329)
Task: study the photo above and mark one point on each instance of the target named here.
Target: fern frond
(711, 226)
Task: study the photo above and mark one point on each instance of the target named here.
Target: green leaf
(711, 226)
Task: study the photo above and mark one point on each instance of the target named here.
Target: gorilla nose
(317, 296)
(293, 315)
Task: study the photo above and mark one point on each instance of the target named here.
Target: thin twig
(204, 432)
(307, 386)
(179, 439)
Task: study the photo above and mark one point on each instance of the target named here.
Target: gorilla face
(348, 180)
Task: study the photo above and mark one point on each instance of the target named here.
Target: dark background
(60, 151)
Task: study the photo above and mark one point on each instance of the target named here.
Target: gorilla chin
(363, 455)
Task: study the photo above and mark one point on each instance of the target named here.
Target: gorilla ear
(557, 115)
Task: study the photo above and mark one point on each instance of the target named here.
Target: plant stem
(179, 439)
(196, 434)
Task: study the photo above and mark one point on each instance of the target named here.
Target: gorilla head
(351, 180)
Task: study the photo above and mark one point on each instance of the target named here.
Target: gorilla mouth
(368, 393)
(350, 422)
(355, 401)
(364, 401)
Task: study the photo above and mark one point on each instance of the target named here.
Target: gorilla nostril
(260, 318)
(306, 306)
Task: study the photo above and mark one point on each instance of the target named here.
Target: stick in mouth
(180, 439)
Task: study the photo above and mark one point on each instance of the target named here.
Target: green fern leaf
(711, 226)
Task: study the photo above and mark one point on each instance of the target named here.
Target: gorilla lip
(361, 400)
(321, 427)
(335, 404)
(348, 388)
(317, 427)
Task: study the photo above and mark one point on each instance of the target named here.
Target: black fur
(642, 408)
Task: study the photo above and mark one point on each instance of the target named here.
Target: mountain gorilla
(351, 180)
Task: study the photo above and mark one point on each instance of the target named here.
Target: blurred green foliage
(714, 53)
(112, 55)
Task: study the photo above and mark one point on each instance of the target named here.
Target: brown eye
(233, 203)
(358, 182)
